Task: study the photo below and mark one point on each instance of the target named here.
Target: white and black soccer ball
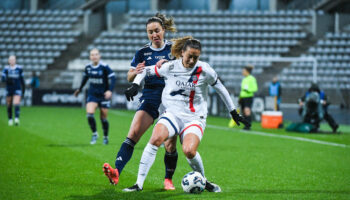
(193, 182)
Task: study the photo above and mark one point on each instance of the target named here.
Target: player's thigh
(9, 100)
(159, 135)
(190, 143)
(16, 99)
(170, 144)
(139, 125)
(91, 107)
(103, 113)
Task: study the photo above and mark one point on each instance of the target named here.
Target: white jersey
(186, 89)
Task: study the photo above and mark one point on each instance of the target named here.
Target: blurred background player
(102, 80)
(321, 111)
(185, 100)
(275, 90)
(248, 88)
(12, 75)
(150, 101)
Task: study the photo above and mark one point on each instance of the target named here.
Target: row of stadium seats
(229, 13)
(40, 40)
(322, 65)
(53, 34)
(33, 47)
(28, 26)
(226, 28)
(38, 20)
(33, 54)
(48, 13)
(233, 20)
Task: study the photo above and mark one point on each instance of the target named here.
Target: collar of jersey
(92, 65)
(16, 66)
(158, 49)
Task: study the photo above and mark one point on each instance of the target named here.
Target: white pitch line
(259, 133)
(281, 136)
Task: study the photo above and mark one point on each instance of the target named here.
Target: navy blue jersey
(151, 56)
(153, 85)
(98, 77)
(13, 76)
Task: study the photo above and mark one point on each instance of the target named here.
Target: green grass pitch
(49, 157)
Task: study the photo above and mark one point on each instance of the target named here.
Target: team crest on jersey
(171, 56)
(194, 78)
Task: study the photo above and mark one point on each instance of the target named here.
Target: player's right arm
(83, 82)
(137, 66)
(4, 75)
(149, 71)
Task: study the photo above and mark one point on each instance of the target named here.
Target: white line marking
(259, 133)
(280, 136)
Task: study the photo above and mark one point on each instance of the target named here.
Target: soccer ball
(193, 182)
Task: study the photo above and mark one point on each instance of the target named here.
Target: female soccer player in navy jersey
(12, 75)
(102, 80)
(157, 49)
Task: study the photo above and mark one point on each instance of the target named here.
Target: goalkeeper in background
(248, 88)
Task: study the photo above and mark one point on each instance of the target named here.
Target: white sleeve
(212, 76)
(224, 95)
(151, 71)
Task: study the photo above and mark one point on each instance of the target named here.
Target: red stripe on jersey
(200, 128)
(197, 73)
(155, 69)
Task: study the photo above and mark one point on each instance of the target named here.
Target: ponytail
(181, 44)
(167, 23)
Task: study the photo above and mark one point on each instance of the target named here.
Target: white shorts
(182, 127)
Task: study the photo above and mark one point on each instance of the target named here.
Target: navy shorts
(151, 106)
(11, 92)
(102, 102)
(246, 102)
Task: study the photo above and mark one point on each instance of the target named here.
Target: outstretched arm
(149, 71)
(225, 96)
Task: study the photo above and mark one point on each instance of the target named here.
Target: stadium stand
(37, 38)
(332, 53)
(240, 33)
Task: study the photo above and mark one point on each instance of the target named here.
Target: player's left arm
(214, 81)
(23, 85)
(110, 81)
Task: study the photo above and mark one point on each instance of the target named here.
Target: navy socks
(170, 161)
(124, 154)
(92, 122)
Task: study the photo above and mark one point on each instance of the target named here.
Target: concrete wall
(322, 24)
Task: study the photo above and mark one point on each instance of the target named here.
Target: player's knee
(156, 141)
(189, 152)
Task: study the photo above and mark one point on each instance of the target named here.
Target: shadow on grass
(114, 194)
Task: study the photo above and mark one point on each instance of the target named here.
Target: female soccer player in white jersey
(157, 49)
(185, 100)
(12, 75)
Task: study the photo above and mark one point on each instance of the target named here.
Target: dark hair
(249, 68)
(167, 23)
(314, 88)
(181, 44)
